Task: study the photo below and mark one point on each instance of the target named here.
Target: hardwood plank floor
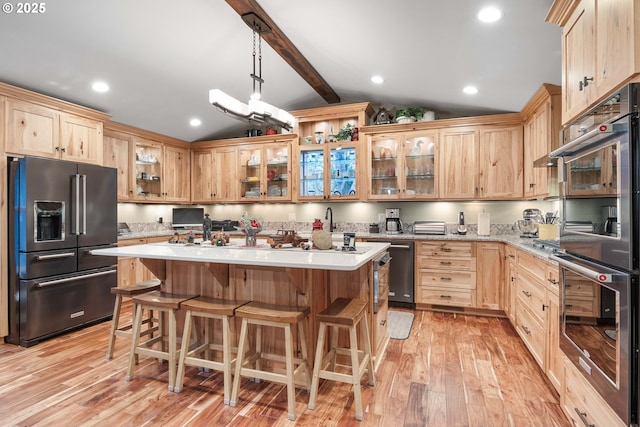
(453, 370)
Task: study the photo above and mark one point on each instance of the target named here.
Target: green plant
(345, 132)
(416, 112)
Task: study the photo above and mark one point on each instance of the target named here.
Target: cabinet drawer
(447, 279)
(581, 307)
(447, 249)
(553, 278)
(580, 290)
(578, 395)
(531, 331)
(534, 266)
(456, 264)
(446, 296)
(381, 327)
(531, 293)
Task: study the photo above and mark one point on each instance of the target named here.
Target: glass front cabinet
(149, 162)
(265, 172)
(403, 165)
(329, 171)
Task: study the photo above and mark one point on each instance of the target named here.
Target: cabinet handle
(527, 294)
(584, 82)
(544, 307)
(64, 150)
(568, 305)
(445, 278)
(552, 281)
(526, 330)
(446, 249)
(583, 418)
(445, 296)
(382, 323)
(445, 262)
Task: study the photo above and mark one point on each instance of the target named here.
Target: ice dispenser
(49, 217)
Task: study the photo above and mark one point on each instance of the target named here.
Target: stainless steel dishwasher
(401, 286)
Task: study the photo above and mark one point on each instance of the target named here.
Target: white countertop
(263, 255)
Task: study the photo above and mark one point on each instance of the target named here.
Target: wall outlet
(292, 216)
(381, 217)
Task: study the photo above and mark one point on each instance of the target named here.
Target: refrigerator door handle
(73, 279)
(76, 222)
(84, 204)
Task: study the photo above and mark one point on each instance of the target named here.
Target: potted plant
(345, 133)
(409, 114)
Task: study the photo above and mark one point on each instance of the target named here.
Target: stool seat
(275, 313)
(250, 365)
(343, 313)
(200, 354)
(138, 288)
(165, 303)
(129, 292)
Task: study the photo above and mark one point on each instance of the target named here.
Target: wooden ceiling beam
(287, 50)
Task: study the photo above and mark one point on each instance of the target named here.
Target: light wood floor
(454, 370)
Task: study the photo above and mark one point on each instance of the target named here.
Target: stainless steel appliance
(59, 211)
(393, 224)
(401, 286)
(380, 280)
(599, 297)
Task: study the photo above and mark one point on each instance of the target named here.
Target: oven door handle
(595, 135)
(74, 278)
(596, 276)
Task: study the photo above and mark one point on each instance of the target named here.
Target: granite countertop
(262, 255)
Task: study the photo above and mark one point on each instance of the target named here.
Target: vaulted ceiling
(162, 57)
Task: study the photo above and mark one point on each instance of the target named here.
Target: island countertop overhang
(260, 256)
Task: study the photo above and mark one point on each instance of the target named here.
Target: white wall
(358, 212)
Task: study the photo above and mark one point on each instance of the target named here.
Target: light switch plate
(292, 216)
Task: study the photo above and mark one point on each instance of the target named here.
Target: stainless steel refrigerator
(58, 212)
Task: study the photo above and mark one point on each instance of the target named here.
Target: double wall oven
(599, 238)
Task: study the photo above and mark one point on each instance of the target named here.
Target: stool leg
(183, 353)
(226, 358)
(316, 366)
(302, 331)
(239, 362)
(135, 339)
(291, 391)
(367, 349)
(172, 348)
(335, 334)
(355, 372)
(114, 326)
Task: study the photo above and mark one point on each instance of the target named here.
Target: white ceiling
(161, 57)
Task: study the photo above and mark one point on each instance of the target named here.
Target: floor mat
(400, 323)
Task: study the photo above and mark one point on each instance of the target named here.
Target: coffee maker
(393, 225)
(610, 227)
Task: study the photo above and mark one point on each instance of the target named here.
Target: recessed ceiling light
(195, 122)
(100, 87)
(470, 90)
(377, 79)
(489, 14)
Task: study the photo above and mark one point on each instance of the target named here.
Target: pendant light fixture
(255, 111)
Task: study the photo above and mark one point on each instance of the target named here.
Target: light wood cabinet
(553, 362)
(38, 130)
(403, 165)
(162, 172)
(118, 153)
(446, 273)
(481, 163)
(131, 270)
(578, 398)
(509, 290)
(214, 175)
(264, 171)
(490, 275)
(542, 116)
(176, 174)
(600, 41)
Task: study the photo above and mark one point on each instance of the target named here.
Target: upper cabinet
(118, 153)
(403, 165)
(481, 163)
(541, 136)
(264, 171)
(40, 126)
(600, 42)
(214, 175)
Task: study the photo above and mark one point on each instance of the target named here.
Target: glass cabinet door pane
(312, 173)
(419, 163)
(149, 171)
(384, 166)
(343, 171)
(587, 173)
(277, 170)
(250, 176)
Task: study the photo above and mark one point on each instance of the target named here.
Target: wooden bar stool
(125, 331)
(260, 314)
(163, 303)
(208, 308)
(343, 313)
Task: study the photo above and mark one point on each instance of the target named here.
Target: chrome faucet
(329, 215)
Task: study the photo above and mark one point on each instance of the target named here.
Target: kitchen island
(291, 277)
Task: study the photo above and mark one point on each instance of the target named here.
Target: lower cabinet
(579, 400)
(553, 365)
(446, 273)
(490, 275)
(132, 270)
